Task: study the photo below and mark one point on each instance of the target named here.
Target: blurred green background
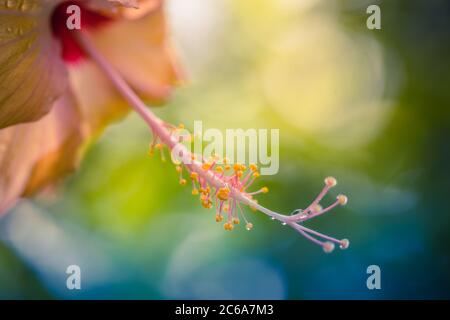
(370, 107)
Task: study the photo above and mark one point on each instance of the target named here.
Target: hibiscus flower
(52, 98)
(58, 88)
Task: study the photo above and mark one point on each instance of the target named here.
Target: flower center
(89, 19)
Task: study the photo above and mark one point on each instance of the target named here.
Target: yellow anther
(183, 182)
(239, 173)
(219, 169)
(207, 204)
(223, 194)
(342, 199)
(194, 191)
(206, 166)
(179, 169)
(249, 226)
(330, 182)
(194, 175)
(227, 167)
(228, 226)
(256, 174)
(253, 167)
(317, 208)
(225, 208)
(239, 167)
(158, 146)
(219, 217)
(235, 221)
(264, 189)
(181, 126)
(225, 160)
(193, 157)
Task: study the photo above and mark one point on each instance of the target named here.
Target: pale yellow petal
(142, 53)
(32, 75)
(97, 99)
(127, 3)
(124, 8)
(27, 151)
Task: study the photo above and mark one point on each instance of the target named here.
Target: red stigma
(71, 51)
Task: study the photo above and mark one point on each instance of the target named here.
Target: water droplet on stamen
(344, 244)
(296, 211)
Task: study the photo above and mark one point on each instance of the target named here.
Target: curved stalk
(227, 189)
